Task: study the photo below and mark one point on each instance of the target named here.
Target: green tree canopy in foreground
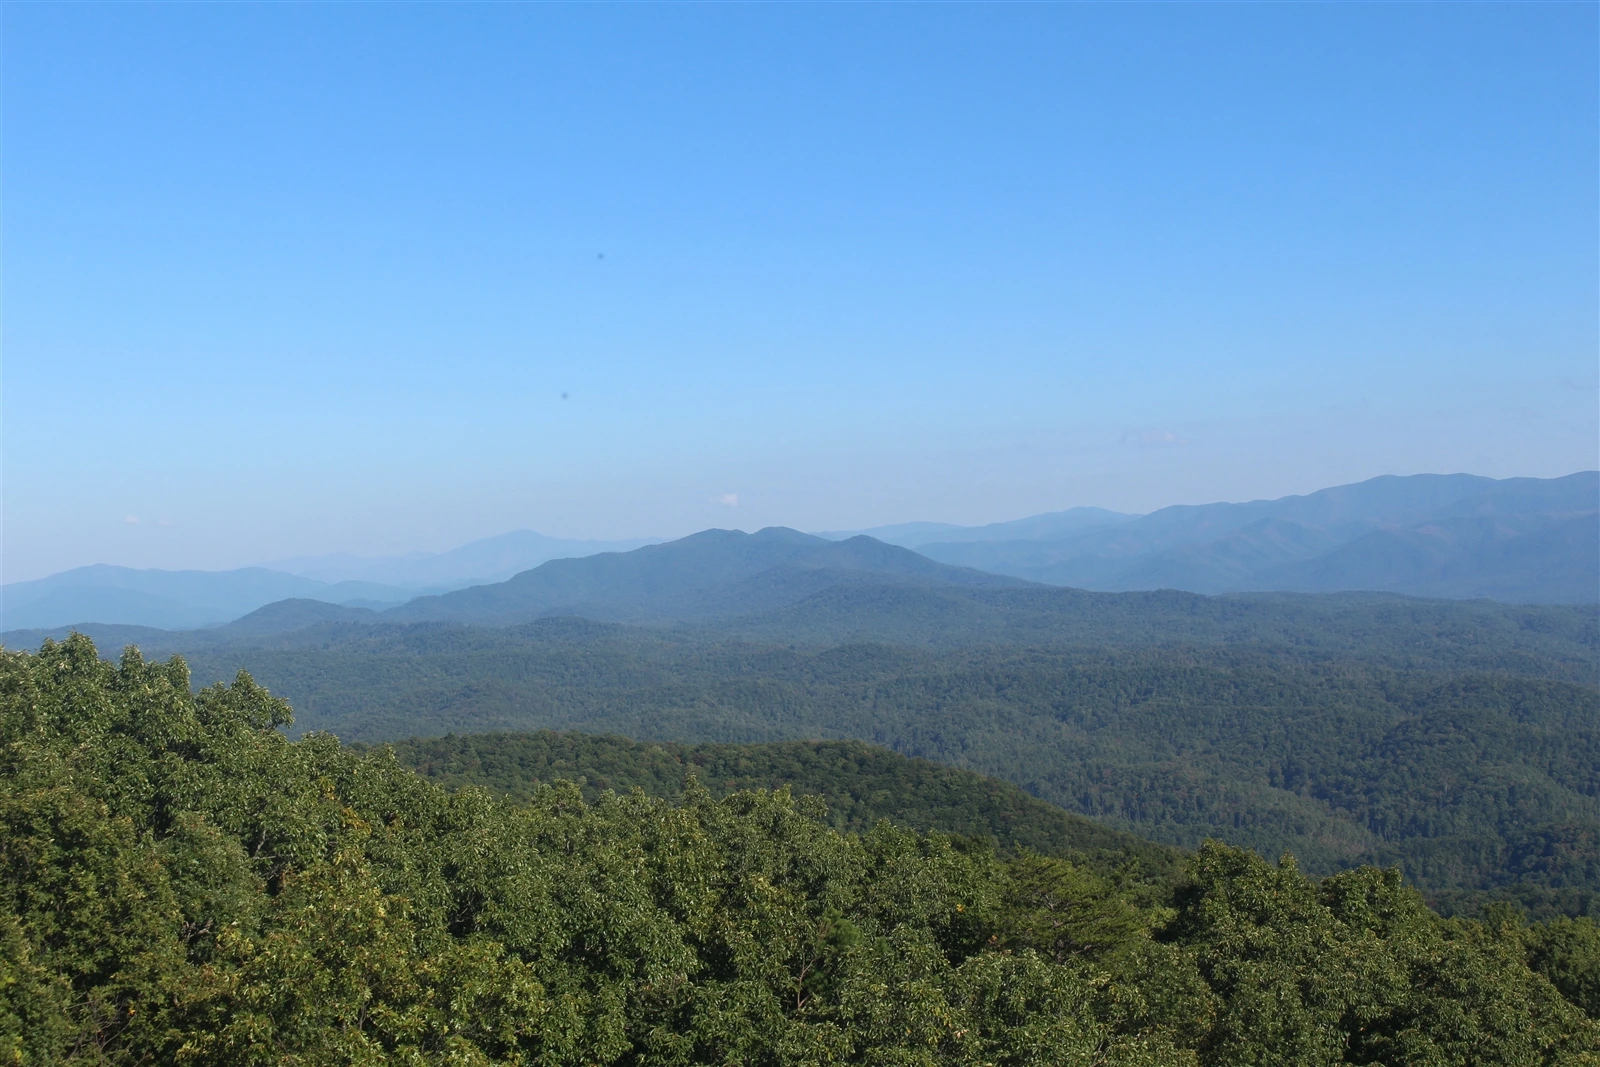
(179, 883)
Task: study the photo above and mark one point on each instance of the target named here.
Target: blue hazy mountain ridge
(170, 600)
(299, 620)
(708, 574)
(1453, 536)
(1550, 562)
(1035, 527)
(286, 616)
(180, 600)
(490, 559)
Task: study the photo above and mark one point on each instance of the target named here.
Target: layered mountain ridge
(1527, 540)
(1517, 540)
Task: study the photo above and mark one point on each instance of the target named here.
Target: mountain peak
(710, 573)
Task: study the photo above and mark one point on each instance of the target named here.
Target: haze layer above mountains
(1523, 540)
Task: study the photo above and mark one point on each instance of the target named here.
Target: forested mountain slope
(181, 883)
(860, 784)
(1476, 779)
(708, 574)
(1373, 627)
(1547, 641)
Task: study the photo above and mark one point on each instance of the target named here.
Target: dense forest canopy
(1470, 756)
(861, 786)
(182, 883)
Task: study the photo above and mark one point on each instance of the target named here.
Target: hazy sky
(287, 279)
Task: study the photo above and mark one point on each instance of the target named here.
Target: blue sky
(287, 279)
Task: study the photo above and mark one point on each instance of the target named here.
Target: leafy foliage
(861, 785)
(1567, 952)
(179, 883)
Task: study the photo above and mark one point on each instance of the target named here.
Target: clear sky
(284, 279)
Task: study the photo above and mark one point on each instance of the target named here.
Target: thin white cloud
(727, 500)
(131, 520)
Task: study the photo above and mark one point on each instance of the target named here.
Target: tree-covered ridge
(1478, 782)
(1554, 642)
(861, 785)
(179, 883)
(1549, 641)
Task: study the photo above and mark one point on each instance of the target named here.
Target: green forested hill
(1375, 628)
(1544, 641)
(708, 574)
(180, 883)
(860, 784)
(1475, 781)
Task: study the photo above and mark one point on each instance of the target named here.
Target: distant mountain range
(492, 559)
(1521, 540)
(1055, 524)
(181, 600)
(172, 600)
(1527, 540)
